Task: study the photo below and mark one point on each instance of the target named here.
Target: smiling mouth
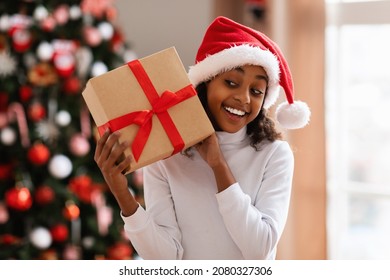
(234, 111)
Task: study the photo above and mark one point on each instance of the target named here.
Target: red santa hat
(228, 45)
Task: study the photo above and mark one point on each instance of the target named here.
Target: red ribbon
(160, 105)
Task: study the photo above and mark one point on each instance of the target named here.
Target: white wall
(153, 25)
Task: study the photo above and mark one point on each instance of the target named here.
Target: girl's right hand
(109, 158)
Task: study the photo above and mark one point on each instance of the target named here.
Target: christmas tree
(54, 203)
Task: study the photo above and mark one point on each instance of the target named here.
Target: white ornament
(40, 13)
(64, 61)
(63, 118)
(129, 55)
(88, 242)
(8, 64)
(47, 130)
(29, 60)
(40, 237)
(75, 12)
(98, 68)
(84, 58)
(60, 166)
(8, 136)
(45, 51)
(5, 22)
(106, 30)
(79, 145)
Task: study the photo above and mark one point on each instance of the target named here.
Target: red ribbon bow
(160, 106)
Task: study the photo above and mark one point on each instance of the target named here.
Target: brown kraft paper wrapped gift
(121, 99)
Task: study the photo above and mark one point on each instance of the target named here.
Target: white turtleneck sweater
(185, 217)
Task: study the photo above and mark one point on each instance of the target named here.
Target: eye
(257, 92)
(230, 83)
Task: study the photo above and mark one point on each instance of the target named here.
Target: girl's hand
(109, 157)
(209, 150)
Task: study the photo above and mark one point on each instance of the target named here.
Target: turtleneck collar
(226, 138)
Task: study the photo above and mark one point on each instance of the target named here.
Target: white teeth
(235, 111)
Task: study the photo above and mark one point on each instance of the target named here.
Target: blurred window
(358, 129)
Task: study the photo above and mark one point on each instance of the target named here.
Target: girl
(227, 197)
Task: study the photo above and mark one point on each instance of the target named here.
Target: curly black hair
(261, 128)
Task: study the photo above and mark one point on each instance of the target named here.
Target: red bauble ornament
(18, 198)
(36, 112)
(61, 14)
(82, 187)
(3, 102)
(71, 211)
(25, 93)
(59, 233)
(21, 40)
(44, 195)
(72, 85)
(92, 36)
(117, 40)
(79, 145)
(38, 154)
(6, 171)
(65, 64)
(120, 251)
(9, 239)
(48, 24)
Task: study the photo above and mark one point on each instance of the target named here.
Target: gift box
(152, 102)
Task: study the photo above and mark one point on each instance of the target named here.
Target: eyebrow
(259, 77)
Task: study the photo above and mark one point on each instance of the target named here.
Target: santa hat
(228, 45)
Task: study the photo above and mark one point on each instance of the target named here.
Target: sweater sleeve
(256, 226)
(154, 233)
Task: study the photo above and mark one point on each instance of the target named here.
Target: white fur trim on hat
(234, 57)
(293, 116)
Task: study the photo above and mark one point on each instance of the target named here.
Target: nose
(242, 95)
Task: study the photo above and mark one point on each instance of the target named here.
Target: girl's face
(235, 97)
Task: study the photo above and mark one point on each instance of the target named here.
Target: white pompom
(5, 22)
(293, 116)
